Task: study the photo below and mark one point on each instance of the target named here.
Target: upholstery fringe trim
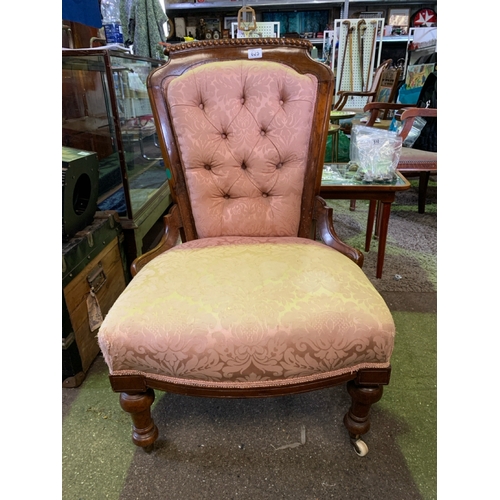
(246, 385)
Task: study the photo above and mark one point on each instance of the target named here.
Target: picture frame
(228, 21)
(417, 74)
(399, 17)
(328, 51)
(212, 24)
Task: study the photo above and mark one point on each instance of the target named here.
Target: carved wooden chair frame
(137, 391)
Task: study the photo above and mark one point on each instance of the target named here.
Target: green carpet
(411, 396)
(96, 442)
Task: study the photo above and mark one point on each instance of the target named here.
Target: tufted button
(282, 102)
(243, 166)
(201, 106)
(262, 132)
(242, 100)
(224, 136)
(208, 167)
(279, 165)
(264, 195)
(226, 197)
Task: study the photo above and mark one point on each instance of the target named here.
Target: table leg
(378, 216)
(422, 190)
(369, 224)
(382, 238)
(336, 146)
(334, 130)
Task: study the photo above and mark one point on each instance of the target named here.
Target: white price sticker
(254, 53)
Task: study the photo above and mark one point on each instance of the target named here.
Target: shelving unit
(395, 47)
(218, 4)
(226, 11)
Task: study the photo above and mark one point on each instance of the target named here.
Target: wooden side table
(338, 184)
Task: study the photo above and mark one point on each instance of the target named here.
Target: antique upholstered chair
(239, 299)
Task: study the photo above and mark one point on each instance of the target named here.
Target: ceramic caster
(360, 447)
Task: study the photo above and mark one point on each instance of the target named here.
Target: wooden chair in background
(371, 95)
(387, 91)
(383, 89)
(412, 162)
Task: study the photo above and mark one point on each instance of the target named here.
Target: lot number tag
(254, 53)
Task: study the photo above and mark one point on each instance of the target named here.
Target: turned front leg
(357, 419)
(138, 405)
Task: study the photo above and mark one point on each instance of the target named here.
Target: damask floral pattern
(247, 311)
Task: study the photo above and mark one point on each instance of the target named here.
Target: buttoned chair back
(243, 137)
(250, 292)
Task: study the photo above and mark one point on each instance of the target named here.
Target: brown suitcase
(93, 260)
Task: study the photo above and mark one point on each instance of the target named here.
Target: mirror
(246, 19)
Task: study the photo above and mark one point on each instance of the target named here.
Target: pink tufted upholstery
(243, 130)
(250, 304)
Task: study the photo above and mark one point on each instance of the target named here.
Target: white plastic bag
(376, 153)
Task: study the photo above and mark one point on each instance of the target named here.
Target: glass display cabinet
(105, 109)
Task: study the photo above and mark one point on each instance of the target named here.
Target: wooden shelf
(219, 4)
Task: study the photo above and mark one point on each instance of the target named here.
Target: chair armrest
(345, 94)
(425, 112)
(323, 215)
(357, 93)
(375, 107)
(172, 224)
(380, 106)
(409, 115)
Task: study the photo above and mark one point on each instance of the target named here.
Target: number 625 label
(254, 53)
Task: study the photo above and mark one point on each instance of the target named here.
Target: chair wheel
(360, 447)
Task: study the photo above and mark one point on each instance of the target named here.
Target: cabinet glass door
(106, 109)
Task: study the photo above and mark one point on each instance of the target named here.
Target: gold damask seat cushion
(247, 311)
